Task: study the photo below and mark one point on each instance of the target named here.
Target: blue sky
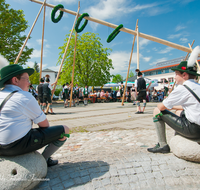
(176, 21)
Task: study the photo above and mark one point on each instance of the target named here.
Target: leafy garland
(114, 33)
(79, 21)
(55, 9)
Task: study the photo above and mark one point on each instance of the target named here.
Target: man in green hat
(186, 120)
(18, 110)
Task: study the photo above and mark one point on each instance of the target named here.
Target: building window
(171, 79)
(159, 72)
(162, 80)
(166, 70)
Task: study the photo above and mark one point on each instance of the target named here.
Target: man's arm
(161, 107)
(44, 123)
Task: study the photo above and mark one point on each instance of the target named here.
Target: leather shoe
(158, 149)
(51, 162)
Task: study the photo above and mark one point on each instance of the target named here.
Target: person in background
(133, 94)
(160, 96)
(39, 90)
(85, 93)
(76, 93)
(66, 92)
(32, 91)
(47, 95)
(21, 109)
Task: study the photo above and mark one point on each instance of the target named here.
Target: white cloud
(143, 42)
(120, 60)
(54, 68)
(62, 1)
(179, 27)
(36, 53)
(173, 36)
(166, 50)
(39, 41)
(109, 9)
(184, 40)
(158, 60)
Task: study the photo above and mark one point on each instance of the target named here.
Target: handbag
(6, 99)
(192, 93)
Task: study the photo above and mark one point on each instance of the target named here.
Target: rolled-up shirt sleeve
(33, 111)
(175, 98)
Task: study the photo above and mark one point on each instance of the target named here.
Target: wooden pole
(138, 58)
(17, 59)
(133, 32)
(64, 55)
(73, 70)
(184, 60)
(129, 63)
(41, 60)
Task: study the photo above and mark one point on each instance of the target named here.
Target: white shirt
(17, 114)
(182, 96)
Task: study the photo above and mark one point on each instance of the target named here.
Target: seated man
(186, 121)
(19, 109)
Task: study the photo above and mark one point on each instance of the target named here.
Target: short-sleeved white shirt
(17, 114)
(182, 96)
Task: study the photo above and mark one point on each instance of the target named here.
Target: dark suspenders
(6, 99)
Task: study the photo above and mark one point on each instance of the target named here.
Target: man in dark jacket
(39, 90)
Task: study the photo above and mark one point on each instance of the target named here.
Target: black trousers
(181, 124)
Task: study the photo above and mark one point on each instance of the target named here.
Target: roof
(131, 79)
(158, 68)
(49, 70)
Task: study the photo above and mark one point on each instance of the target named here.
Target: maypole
(41, 60)
(129, 63)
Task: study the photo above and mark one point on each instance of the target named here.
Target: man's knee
(156, 111)
(66, 129)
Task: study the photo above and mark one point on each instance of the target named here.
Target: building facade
(50, 74)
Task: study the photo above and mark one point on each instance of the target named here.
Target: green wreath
(78, 30)
(53, 13)
(114, 33)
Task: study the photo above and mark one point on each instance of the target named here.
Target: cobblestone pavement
(112, 155)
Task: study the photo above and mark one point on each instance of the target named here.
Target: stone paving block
(133, 178)
(166, 173)
(151, 182)
(54, 181)
(84, 173)
(57, 187)
(128, 165)
(169, 181)
(85, 179)
(134, 186)
(160, 182)
(155, 168)
(141, 176)
(51, 175)
(105, 181)
(110, 187)
(139, 170)
(115, 180)
(94, 175)
(104, 168)
(77, 188)
(42, 188)
(147, 168)
(88, 186)
(94, 170)
(121, 172)
(122, 186)
(157, 175)
(124, 179)
(113, 172)
(148, 175)
(130, 171)
(96, 183)
(143, 184)
(75, 175)
(163, 166)
(186, 179)
(105, 175)
(68, 183)
(78, 181)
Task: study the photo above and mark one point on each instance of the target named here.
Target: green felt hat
(10, 71)
(184, 68)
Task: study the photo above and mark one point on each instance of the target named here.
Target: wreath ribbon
(114, 33)
(53, 13)
(78, 30)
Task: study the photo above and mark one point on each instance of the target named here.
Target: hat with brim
(182, 67)
(10, 71)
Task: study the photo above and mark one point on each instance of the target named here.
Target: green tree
(12, 24)
(117, 78)
(35, 77)
(131, 74)
(92, 66)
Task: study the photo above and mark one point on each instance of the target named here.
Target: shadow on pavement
(67, 175)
